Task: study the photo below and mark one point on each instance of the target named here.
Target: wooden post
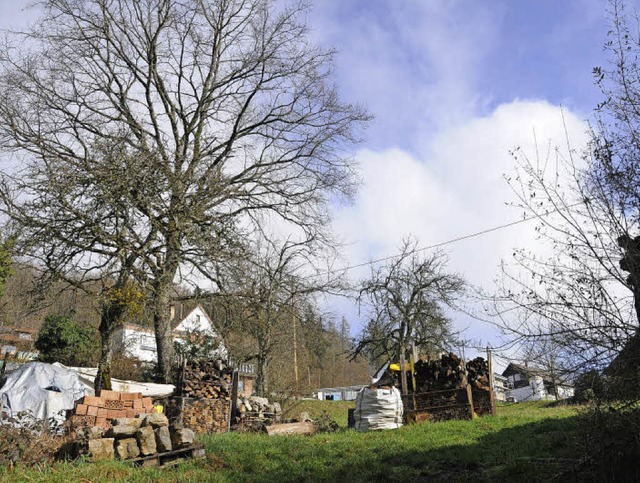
(414, 358)
(403, 373)
(234, 398)
(470, 400)
(492, 395)
(295, 346)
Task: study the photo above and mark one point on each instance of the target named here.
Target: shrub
(612, 443)
(63, 340)
(589, 386)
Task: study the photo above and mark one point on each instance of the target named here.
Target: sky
(453, 86)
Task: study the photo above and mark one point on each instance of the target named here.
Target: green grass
(488, 448)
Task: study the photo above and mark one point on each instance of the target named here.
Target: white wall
(140, 344)
(137, 344)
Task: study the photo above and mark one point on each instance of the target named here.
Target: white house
(139, 342)
(533, 384)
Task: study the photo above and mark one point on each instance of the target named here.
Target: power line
(450, 241)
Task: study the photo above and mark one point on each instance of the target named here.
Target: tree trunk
(103, 376)
(110, 319)
(261, 373)
(162, 326)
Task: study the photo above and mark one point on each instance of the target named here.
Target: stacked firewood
(478, 373)
(207, 380)
(204, 404)
(448, 372)
(200, 415)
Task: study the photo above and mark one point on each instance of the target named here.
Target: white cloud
(454, 189)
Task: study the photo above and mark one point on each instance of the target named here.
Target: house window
(148, 343)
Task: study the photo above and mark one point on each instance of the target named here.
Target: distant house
(14, 340)
(500, 387)
(138, 342)
(526, 383)
(346, 393)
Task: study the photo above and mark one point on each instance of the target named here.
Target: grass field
(524, 442)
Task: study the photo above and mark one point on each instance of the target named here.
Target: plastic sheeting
(378, 409)
(148, 389)
(41, 391)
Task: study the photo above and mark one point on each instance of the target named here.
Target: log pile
(447, 372)
(478, 373)
(200, 415)
(206, 389)
(446, 388)
(110, 405)
(207, 380)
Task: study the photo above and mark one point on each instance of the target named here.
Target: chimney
(172, 312)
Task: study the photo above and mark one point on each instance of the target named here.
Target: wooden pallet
(170, 457)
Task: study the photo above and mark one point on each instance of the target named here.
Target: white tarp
(43, 391)
(148, 389)
(378, 409)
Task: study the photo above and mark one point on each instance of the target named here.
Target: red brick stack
(99, 411)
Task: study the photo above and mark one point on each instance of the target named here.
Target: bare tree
(406, 300)
(271, 283)
(585, 295)
(206, 114)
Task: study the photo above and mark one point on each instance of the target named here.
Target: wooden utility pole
(295, 346)
(492, 394)
(403, 373)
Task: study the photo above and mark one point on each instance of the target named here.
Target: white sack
(378, 409)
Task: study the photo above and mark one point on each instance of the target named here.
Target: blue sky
(453, 85)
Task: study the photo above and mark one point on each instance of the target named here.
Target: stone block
(127, 448)
(91, 432)
(163, 439)
(146, 440)
(155, 420)
(101, 449)
(137, 422)
(181, 438)
(123, 431)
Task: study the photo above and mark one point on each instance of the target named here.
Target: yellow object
(158, 408)
(396, 366)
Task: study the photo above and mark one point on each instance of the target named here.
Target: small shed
(345, 393)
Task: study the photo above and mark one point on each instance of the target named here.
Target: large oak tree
(153, 135)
